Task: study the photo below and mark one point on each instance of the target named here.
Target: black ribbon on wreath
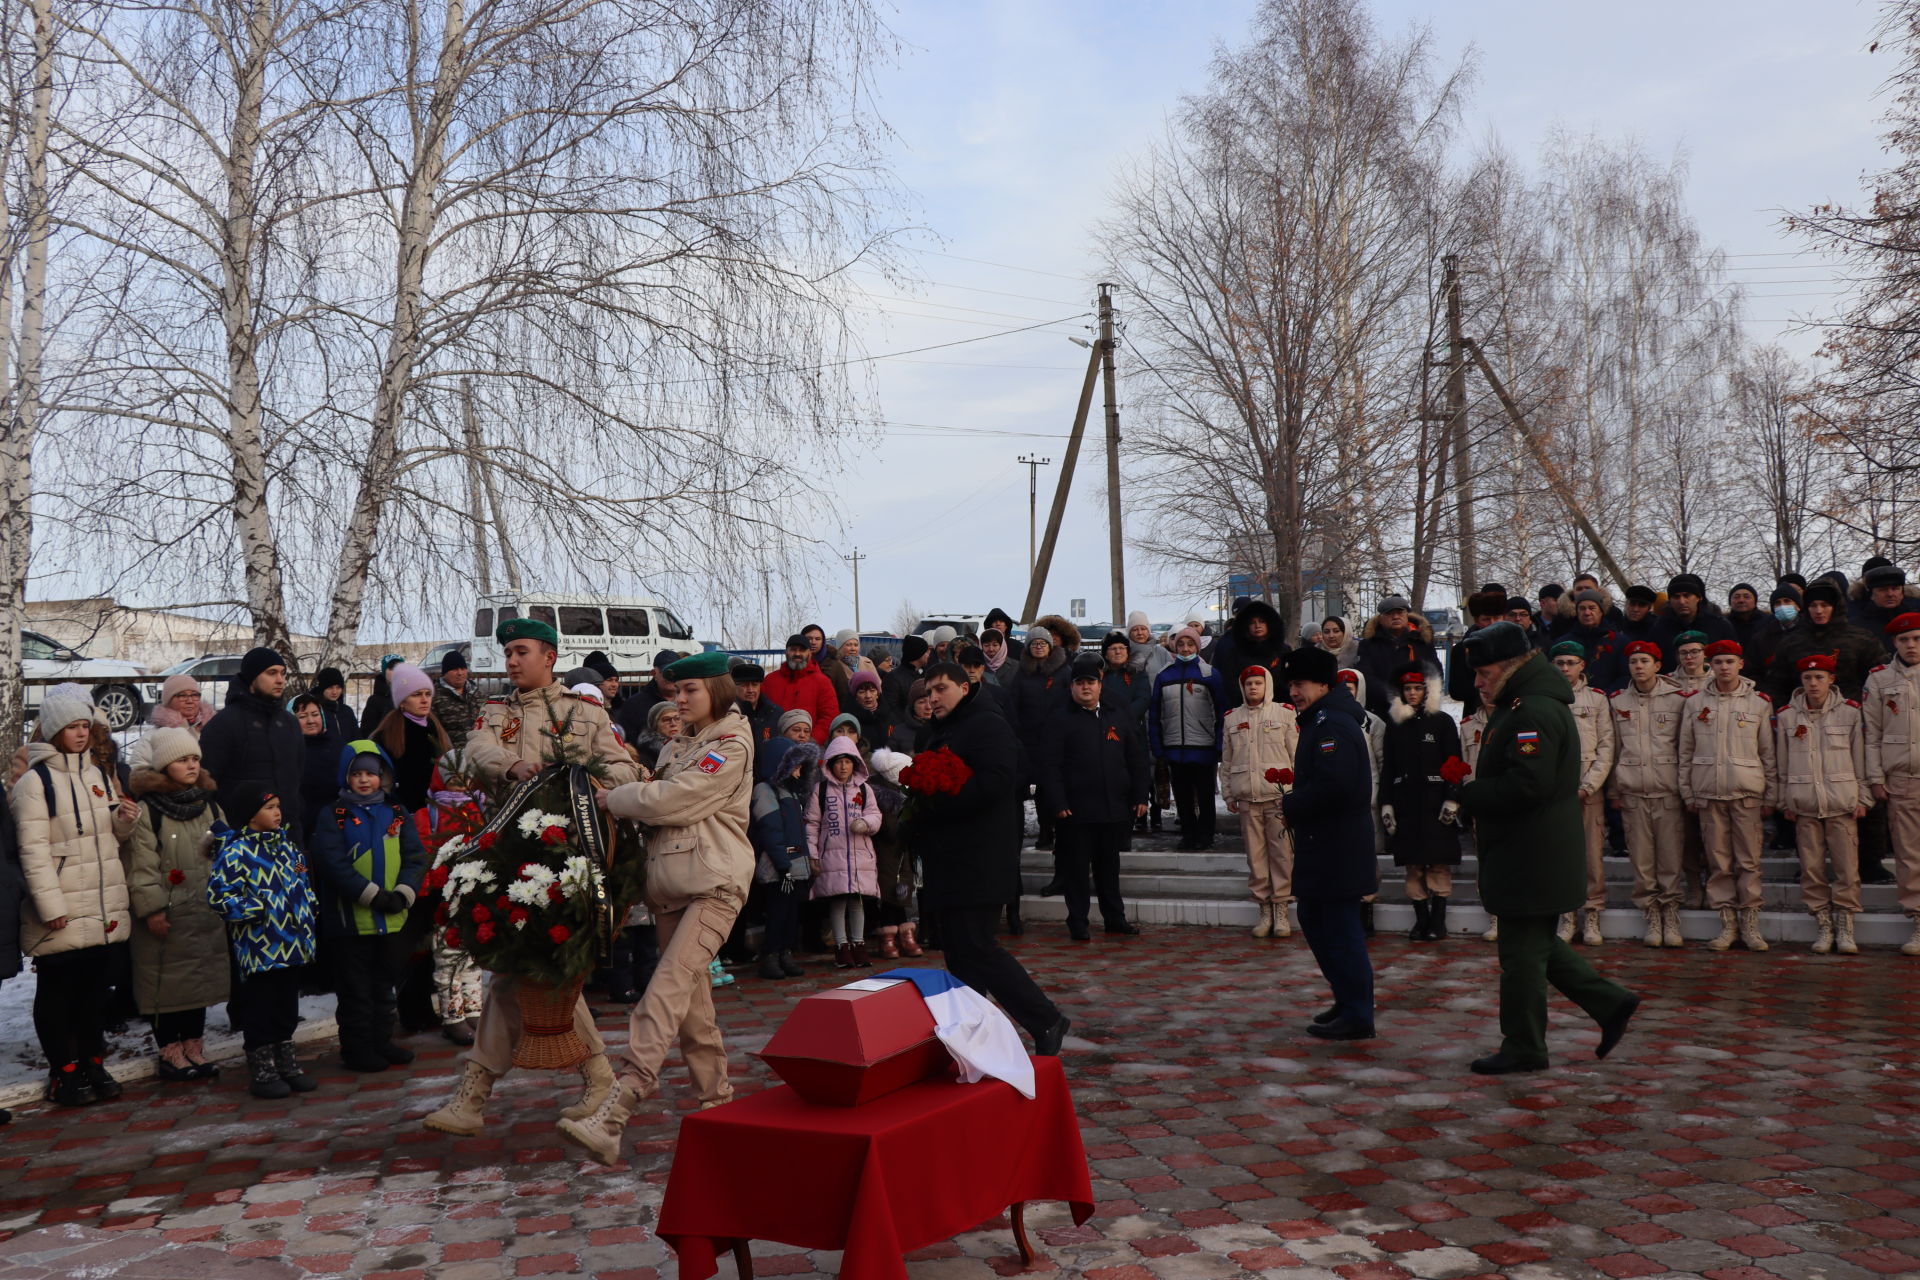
(592, 832)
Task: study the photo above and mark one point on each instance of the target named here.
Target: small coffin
(849, 1046)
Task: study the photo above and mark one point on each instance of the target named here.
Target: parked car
(627, 629)
(967, 624)
(123, 701)
(1446, 624)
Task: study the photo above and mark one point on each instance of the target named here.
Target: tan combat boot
(1823, 941)
(1590, 932)
(1911, 947)
(1670, 926)
(1565, 931)
(1282, 927)
(1493, 931)
(1729, 930)
(1843, 933)
(465, 1114)
(1656, 927)
(1750, 930)
(599, 1134)
(1263, 928)
(598, 1075)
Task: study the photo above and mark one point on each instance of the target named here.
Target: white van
(627, 629)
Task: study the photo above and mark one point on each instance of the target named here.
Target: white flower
(538, 873)
(471, 874)
(447, 851)
(527, 893)
(578, 875)
(520, 924)
(532, 823)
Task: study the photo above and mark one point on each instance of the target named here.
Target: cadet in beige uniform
(1259, 737)
(1820, 757)
(1594, 718)
(516, 735)
(1726, 776)
(699, 867)
(1691, 674)
(1892, 706)
(1645, 783)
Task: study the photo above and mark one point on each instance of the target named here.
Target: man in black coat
(1394, 637)
(896, 685)
(1253, 639)
(1687, 609)
(970, 856)
(762, 713)
(1093, 780)
(636, 707)
(253, 738)
(1330, 812)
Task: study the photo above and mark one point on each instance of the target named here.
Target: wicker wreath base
(547, 1038)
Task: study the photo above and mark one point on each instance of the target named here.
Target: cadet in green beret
(1524, 800)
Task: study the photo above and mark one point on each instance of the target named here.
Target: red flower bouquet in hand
(937, 773)
(1280, 777)
(1455, 770)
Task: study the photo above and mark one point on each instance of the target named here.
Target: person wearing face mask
(799, 685)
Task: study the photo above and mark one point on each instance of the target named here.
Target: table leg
(1019, 1214)
(743, 1259)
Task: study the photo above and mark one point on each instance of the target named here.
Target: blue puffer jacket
(360, 849)
(1185, 713)
(778, 827)
(259, 884)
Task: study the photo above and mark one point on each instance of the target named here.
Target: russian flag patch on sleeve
(712, 762)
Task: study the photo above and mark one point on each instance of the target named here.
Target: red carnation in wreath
(1280, 777)
(555, 894)
(452, 938)
(480, 913)
(484, 933)
(486, 839)
(553, 835)
(559, 933)
(517, 916)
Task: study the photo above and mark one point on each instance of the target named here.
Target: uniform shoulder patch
(712, 762)
(500, 700)
(1881, 667)
(1763, 697)
(1852, 703)
(1614, 694)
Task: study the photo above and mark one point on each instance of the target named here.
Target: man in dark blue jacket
(1687, 609)
(1330, 811)
(1093, 781)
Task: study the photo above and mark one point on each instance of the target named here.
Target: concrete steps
(1164, 885)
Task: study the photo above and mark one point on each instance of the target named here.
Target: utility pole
(1116, 558)
(855, 560)
(1033, 466)
(1457, 429)
(1044, 560)
(766, 606)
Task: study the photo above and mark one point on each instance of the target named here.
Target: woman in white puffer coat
(71, 817)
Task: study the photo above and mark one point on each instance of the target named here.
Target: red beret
(1647, 647)
(1348, 674)
(1818, 662)
(1904, 623)
(1256, 670)
(1719, 647)
(1414, 677)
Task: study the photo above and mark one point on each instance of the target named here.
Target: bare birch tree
(27, 71)
(1276, 243)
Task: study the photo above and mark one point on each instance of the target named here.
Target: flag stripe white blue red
(982, 1039)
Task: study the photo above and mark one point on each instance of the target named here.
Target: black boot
(105, 1087)
(789, 967)
(1366, 918)
(1014, 925)
(1421, 910)
(68, 1086)
(263, 1074)
(1437, 921)
(287, 1063)
(771, 969)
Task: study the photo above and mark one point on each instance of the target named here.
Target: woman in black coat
(1040, 690)
(1415, 800)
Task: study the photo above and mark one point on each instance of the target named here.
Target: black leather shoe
(1051, 889)
(1127, 927)
(68, 1086)
(1499, 1064)
(1341, 1029)
(1615, 1027)
(367, 1060)
(1047, 1043)
(105, 1087)
(398, 1054)
(1079, 935)
(1326, 1015)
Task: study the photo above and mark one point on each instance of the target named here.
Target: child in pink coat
(842, 815)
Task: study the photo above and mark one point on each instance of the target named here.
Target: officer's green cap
(1568, 649)
(1689, 637)
(526, 629)
(711, 663)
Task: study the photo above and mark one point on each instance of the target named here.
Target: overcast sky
(1014, 115)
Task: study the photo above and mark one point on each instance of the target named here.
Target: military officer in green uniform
(1524, 801)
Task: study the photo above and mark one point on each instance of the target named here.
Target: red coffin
(845, 1047)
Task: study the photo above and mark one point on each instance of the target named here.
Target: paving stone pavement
(1761, 1122)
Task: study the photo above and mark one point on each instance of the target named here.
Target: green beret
(1689, 637)
(711, 663)
(526, 629)
(1568, 649)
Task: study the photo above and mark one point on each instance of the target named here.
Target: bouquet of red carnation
(1454, 771)
(936, 773)
(1280, 777)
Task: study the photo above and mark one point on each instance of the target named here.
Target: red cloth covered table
(904, 1171)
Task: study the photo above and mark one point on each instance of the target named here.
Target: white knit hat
(62, 705)
(164, 746)
(842, 636)
(1137, 619)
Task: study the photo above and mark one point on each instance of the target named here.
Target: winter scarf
(997, 658)
(183, 805)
